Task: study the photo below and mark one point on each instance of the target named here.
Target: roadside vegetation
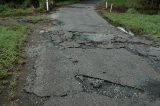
(134, 15)
(11, 38)
(6, 11)
(142, 6)
(138, 23)
(10, 8)
(13, 35)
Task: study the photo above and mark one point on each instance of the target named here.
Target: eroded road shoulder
(83, 60)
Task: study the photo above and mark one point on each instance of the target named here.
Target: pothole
(95, 37)
(68, 39)
(88, 40)
(107, 88)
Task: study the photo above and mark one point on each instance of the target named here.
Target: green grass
(144, 24)
(16, 12)
(11, 37)
(20, 12)
(8, 11)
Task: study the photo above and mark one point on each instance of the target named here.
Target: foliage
(25, 7)
(6, 11)
(137, 4)
(16, 12)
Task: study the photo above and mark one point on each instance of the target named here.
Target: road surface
(82, 60)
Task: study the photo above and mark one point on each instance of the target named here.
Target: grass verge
(11, 38)
(7, 11)
(12, 54)
(138, 23)
(16, 12)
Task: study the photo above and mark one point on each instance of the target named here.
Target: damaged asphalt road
(85, 61)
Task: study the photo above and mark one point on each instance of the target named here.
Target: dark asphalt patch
(153, 88)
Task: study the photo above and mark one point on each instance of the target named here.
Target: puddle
(107, 88)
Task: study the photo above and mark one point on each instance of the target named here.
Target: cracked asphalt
(82, 60)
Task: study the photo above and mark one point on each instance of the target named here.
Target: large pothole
(107, 88)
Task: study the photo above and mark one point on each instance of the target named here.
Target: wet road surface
(85, 61)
